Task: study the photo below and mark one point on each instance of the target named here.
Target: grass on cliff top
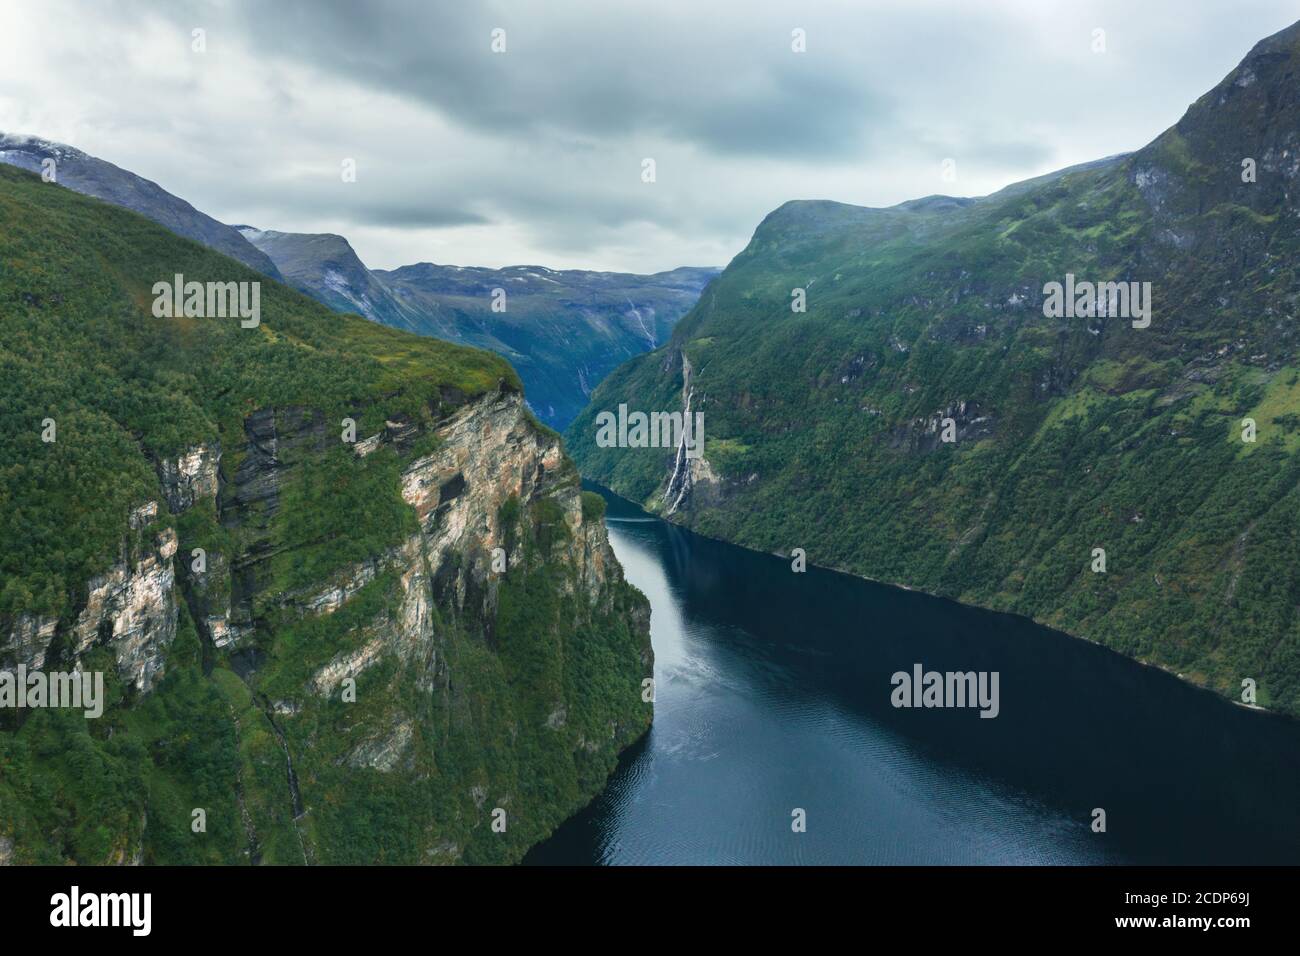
(81, 348)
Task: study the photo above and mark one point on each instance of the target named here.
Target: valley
(924, 423)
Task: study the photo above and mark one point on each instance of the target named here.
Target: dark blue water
(773, 693)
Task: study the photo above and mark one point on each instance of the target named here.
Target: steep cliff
(349, 600)
(926, 419)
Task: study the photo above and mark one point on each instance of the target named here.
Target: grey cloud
(570, 72)
(534, 155)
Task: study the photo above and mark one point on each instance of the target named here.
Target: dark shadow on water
(774, 692)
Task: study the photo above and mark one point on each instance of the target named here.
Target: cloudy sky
(534, 155)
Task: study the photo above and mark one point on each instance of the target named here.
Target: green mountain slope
(91, 176)
(346, 675)
(824, 429)
(563, 330)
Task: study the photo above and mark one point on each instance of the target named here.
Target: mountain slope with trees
(348, 598)
(825, 429)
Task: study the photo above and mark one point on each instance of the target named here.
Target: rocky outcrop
(275, 442)
(488, 453)
(347, 664)
(253, 495)
(385, 752)
(27, 640)
(131, 607)
(956, 423)
(190, 477)
(351, 676)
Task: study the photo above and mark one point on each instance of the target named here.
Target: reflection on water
(773, 693)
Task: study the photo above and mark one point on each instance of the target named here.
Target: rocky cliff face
(489, 454)
(440, 587)
(190, 477)
(347, 594)
(131, 608)
(692, 480)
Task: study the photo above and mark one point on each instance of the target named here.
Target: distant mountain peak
(95, 177)
(23, 142)
(563, 329)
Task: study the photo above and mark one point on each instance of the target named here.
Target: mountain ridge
(591, 323)
(276, 543)
(95, 177)
(563, 329)
(826, 429)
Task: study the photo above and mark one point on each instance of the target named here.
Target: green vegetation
(563, 330)
(81, 347)
(1073, 433)
(522, 699)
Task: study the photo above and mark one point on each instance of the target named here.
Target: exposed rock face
(970, 423)
(191, 477)
(132, 607)
(28, 639)
(489, 452)
(255, 487)
(692, 480)
(332, 598)
(386, 752)
(345, 665)
(437, 674)
(249, 500)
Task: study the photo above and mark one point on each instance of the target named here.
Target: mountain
(562, 330)
(325, 267)
(936, 319)
(94, 177)
(346, 596)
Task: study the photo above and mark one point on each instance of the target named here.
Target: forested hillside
(347, 595)
(825, 429)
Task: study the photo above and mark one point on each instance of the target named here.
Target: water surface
(773, 693)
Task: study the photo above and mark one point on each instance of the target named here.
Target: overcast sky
(534, 155)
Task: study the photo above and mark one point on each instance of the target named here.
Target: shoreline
(1256, 708)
